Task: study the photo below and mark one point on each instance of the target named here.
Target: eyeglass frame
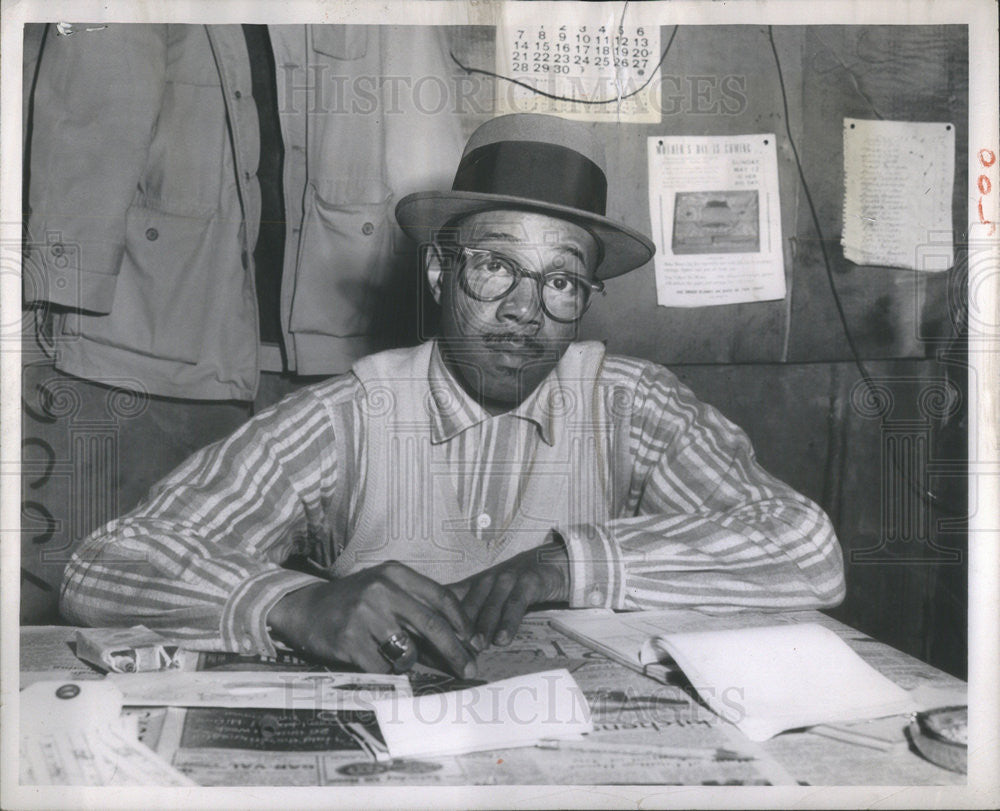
(520, 272)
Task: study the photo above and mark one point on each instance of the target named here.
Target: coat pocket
(342, 42)
(165, 295)
(345, 265)
(188, 152)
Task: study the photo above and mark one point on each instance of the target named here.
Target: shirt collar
(453, 411)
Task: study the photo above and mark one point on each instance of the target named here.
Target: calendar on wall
(601, 67)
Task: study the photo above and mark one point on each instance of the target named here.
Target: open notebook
(764, 679)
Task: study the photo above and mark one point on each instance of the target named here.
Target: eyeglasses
(487, 275)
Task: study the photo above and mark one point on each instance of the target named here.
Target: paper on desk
(72, 734)
(621, 636)
(770, 679)
(513, 712)
(898, 181)
(261, 689)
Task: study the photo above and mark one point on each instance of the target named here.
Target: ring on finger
(396, 650)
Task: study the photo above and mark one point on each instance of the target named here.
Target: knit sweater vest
(406, 508)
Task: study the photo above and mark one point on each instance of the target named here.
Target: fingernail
(470, 671)
(477, 642)
(502, 638)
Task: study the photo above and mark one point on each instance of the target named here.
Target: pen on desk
(853, 737)
(641, 749)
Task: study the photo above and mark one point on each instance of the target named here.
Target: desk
(634, 718)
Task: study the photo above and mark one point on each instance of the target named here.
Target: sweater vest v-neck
(405, 505)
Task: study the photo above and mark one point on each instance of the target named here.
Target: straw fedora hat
(538, 163)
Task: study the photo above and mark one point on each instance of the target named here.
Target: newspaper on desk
(874, 752)
(644, 733)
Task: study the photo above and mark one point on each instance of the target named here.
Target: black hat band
(546, 173)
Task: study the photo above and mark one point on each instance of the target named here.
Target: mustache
(528, 342)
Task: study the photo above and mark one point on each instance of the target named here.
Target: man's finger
(473, 601)
(423, 620)
(371, 661)
(433, 594)
(489, 613)
(513, 612)
(461, 588)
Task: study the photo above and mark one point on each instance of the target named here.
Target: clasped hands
(348, 619)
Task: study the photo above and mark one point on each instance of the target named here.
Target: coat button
(367, 229)
(483, 521)
(238, 94)
(152, 234)
(596, 597)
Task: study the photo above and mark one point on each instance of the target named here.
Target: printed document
(716, 218)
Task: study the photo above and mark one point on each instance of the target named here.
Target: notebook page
(769, 679)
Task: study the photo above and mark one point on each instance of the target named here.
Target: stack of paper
(72, 734)
(770, 679)
(522, 711)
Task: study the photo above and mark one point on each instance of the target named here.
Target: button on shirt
(702, 524)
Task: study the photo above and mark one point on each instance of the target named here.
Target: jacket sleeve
(96, 99)
(705, 525)
(200, 557)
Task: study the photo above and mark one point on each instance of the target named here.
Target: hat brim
(420, 215)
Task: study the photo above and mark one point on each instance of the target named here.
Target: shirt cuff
(52, 273)
(244, 617)
(596, 568)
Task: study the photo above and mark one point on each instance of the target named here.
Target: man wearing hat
(438, 492)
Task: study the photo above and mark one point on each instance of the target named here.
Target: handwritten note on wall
(898, 181)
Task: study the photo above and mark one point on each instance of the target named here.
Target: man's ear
(433, 267)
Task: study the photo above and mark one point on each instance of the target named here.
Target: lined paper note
(898, 181)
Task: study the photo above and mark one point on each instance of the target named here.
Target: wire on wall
(923, 493)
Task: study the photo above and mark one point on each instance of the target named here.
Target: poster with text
(716, 219)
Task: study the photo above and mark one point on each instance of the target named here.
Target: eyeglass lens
(489, 277)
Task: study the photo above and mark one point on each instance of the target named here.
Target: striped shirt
(702, 525)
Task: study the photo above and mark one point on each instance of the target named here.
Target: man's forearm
(781, 555)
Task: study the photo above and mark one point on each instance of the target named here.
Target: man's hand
(348, 618)
(495, 600)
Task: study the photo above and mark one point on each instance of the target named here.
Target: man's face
(501, 350)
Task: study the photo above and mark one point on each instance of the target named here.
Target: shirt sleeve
(200, 557)
(704, 525)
